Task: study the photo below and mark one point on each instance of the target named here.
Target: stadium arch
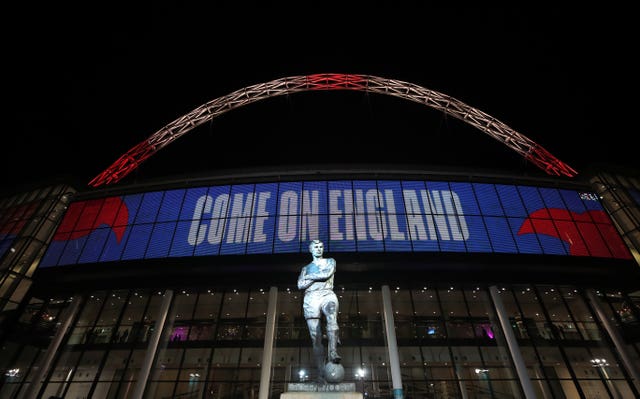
(498, 130)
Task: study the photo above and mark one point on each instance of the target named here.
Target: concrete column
(461, 384)
(615, 336)
(45, 364)
(392, 343)
(152, 348)
(267, 352)
(512, 343)
(544, 385)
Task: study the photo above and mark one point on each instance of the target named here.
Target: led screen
(348, 215)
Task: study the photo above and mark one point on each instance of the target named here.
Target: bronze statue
(316, 279)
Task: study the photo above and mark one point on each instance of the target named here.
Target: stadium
(451, 284)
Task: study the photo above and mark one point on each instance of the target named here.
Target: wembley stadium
(451, 284)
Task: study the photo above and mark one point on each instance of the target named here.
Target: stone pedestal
(312, 390)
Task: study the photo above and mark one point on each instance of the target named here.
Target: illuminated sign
(348, 215)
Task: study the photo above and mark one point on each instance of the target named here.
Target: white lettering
(218, 219)
(361, 227)
(287, 222)
(261, 217)
(335, 214)
(439, 217)
(348, 211)
(310, 210)
(392, 215)
(196, 230)
(241, 211)
(414, 216)
(458, 225)
(376, 230)
(352, 215)
(428, 214)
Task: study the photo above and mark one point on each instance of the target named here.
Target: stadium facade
(498, 286)
(450, 284)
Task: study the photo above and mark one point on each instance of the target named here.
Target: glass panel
(133, 368)
(437, 360)
(208, 306)
(167, 365)
(16, 370)
(291, 323)
(194, 365)
(8, 390)
(350, 318)
(505, 388)
(620, 389)
(183, 304)
(160, 390)
(224, 364)
(577, 305)
(518, 323)
(115, 365)
(132, 316)
(560, 318)
(553, 363)
(452, 302)
(54, 390)
(425, 302)
(102, 389)
(179, 317)
(88, 366)
(287, 360)
(533, 320)
(105, 330)
(370, 308)
(141, 332)
(375, 370)
(235, 305)
(90, 309)
(65, 366)
(427, 321)
(192, 388)
(498, 359)
(78, 390)
(593, 389)
(402, 313)
(591, 331)
(460, 328)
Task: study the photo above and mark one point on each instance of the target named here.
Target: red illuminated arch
(329, 81)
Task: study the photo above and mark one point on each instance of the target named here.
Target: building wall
(449, 340)
(447, 334)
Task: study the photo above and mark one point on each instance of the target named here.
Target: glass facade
(450, 343)
(27, 223)
(621, 197)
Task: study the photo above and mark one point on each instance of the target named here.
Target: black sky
(83, 86)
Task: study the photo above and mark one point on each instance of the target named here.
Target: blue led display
(347, 215)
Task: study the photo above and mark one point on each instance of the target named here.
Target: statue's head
(316, 245)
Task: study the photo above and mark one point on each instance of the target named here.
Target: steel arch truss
(295, 84)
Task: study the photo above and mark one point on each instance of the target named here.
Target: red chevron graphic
(579, 231)
(83, 218)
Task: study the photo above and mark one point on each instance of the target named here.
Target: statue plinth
(313, 390)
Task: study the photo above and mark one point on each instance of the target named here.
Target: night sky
(83, 86)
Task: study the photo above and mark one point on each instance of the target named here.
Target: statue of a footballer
(316, 279)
